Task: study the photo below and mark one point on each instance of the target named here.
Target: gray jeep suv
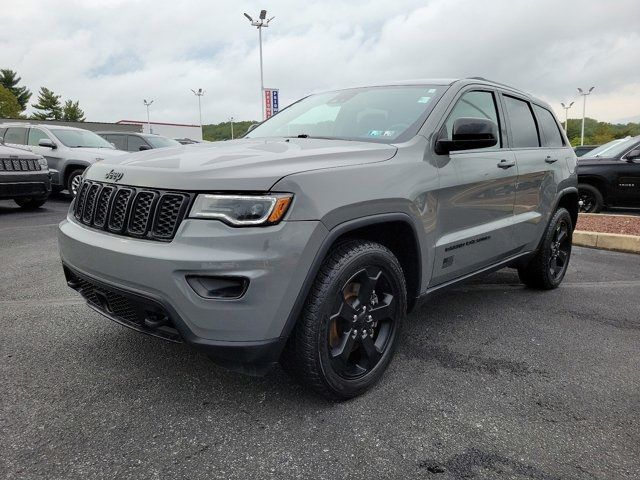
(307, 241)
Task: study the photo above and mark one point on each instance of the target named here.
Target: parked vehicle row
(328, 223)
(609, 176)
(68, 151)
(135, 142)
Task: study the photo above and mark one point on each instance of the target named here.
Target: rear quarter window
(549, 126)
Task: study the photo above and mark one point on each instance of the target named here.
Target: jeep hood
(250, 164)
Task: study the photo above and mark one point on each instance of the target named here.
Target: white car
(68, 150)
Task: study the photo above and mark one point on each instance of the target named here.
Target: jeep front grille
(131, 211)
(19, 165)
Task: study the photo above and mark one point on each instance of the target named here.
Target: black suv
(134, 142)
(609, 176)
(24, 177)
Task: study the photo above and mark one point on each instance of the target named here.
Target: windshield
(80, 138)
(613, 148)
(161, 142)
(374, 114)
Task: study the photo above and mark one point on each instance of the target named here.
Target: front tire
(548, 267)
(590, 199)
(73, 181)
(350, 323)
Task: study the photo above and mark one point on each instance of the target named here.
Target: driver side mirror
(633, 155)
(467, 134)
(144, 147)
(47, 142)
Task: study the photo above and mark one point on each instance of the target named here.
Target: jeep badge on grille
(113, 175)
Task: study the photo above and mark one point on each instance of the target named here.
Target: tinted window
(35, 135)
(119, 141)
(474, 105)
(523, 126)
(549, 127)
(135, 143)
(16, 135)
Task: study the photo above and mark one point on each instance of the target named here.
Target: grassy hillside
(222, 131)
(597, 133)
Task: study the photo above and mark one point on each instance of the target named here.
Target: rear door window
(549, 127)
(524, 133)
(118, 141)
(16, 135)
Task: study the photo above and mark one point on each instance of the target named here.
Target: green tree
(9, 105)
(222, 131)
(71, 112)
(48, 106)
(9, 80)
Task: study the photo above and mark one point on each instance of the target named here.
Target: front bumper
(244, 333)
(24, 184)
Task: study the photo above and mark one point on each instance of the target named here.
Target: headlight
(242, 210)
(43, 164)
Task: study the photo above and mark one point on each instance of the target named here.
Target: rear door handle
(506, 163)
(550, 160)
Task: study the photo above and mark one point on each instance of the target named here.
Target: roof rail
(492, 81)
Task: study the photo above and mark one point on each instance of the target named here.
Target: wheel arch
(568, 199)
(383, 229)
(70, 167)
(596, 181)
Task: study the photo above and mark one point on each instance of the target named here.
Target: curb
(607, 241)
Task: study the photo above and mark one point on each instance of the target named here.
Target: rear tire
(590, 199)
(31, 203)
(73, 181)
(548, 267)
(348, 330)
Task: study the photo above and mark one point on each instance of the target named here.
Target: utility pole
(260, 24)
(199, 93)
(566, 114)
(147, 103)
(584, 108)
(231, 120)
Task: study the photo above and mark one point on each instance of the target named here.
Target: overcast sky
(110, 54)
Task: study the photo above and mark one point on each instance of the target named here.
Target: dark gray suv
(309, 240)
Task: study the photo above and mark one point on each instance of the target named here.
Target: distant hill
(222, 131)
(595, 132)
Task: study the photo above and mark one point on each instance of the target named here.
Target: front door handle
(506, 163)
(550, 160)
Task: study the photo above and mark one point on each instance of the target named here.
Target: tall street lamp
(199, 93)
(260, 24)
(147, 103)
(231, 121)
(584, 107)
(566, 113)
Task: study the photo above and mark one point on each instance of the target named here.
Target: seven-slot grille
(19, 165)
(131, 211)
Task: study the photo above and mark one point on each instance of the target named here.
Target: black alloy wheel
(360, 330)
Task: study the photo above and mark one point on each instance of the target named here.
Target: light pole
(231, 120)
(584, 107)
(566, 114)
(260, 24)
(147, 103)
(199, 93)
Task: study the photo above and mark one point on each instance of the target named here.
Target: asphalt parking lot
(491, 380)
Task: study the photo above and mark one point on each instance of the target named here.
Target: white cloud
(112, 54)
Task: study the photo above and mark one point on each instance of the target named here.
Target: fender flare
(333, 235)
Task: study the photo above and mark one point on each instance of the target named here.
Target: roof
(143, 122)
